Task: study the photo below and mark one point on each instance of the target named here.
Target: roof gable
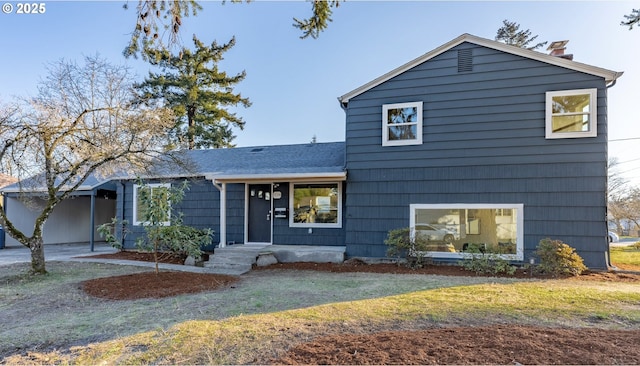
(608, 75)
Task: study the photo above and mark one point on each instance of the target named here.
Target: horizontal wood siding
(483, 142)
(285, 235)
(200, 208)
(235, 213)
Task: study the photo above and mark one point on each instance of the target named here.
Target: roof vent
(557, 49)
(465, 60)
(257, 149)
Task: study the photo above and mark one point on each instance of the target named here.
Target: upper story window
(402, 124)
(316, 205)
(571, 113)
(158, 194)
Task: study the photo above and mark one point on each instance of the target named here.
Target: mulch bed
(497, 344)
(155, 285)
(490, 345)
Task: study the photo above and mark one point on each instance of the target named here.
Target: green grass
(268, 311)
(248, 338)
(625, 255)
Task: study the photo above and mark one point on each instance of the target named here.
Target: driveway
(52, 252)
(624, 242)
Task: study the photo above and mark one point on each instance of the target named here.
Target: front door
(259, 215)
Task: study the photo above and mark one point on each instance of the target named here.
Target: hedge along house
(480, 143)
(288, 194)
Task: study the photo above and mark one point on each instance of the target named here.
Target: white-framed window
(315, 205)
(402, 124)
(571, 113)
(455, 230)
(160, 195)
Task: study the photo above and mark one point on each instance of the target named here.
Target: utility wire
(628, 161)
(625, 139)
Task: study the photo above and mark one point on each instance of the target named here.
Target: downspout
(121, 228)
(223, 212)
(3, 234)
(606, 204)
(93, 218)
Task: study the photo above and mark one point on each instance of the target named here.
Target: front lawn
(268, 312)
(626, 257)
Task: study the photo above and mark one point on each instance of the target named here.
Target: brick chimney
(557, 49)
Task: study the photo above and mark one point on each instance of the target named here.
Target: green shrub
(558, 258)
(412, 248)
(481, 262)
(107, 232)
(178, 239)
(174, 238)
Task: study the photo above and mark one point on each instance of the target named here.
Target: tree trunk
(191, 114)
(36, 245)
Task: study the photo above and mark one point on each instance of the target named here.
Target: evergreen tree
(511, 34)
(632, 19)
(157, 18)
(191, 84)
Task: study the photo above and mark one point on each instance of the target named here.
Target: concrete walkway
(80, 252)
(52, 252)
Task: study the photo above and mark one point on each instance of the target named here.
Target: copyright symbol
(7, 8)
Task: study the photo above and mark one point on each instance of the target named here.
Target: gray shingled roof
(244, 163)
(278, 160)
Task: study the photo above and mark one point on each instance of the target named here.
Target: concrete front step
(236, 258)
(240, 258)
(228, 268)
(307, 253)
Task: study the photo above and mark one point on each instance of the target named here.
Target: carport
(73, 220)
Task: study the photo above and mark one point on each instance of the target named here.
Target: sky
(294, 83)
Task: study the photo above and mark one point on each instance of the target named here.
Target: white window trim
(314, 225)
(593, 113)
(135, 203)
(519, 256)
(385, 129)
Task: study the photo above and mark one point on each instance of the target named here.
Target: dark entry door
(259, 225)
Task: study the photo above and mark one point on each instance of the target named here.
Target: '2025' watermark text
(24, 8)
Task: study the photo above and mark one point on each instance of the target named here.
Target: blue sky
(293, 83)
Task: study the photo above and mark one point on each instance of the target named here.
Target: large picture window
(159, 193)
(316, 205)
(455, 229)
(571, 114)
(402, 124)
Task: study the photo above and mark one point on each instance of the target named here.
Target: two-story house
(473, 143)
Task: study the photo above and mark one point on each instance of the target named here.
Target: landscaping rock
(192, 261)
(266, 259)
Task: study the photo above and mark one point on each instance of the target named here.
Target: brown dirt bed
(498, 344)
(503, 345)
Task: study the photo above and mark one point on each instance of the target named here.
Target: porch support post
(223, 213)
(93, 219)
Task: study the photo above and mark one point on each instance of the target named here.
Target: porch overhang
(278, 177)
(220, 181)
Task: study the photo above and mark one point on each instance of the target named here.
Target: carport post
(93, 218)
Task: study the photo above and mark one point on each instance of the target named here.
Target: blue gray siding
(200, 207)
(483, 142)
(235, 212)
